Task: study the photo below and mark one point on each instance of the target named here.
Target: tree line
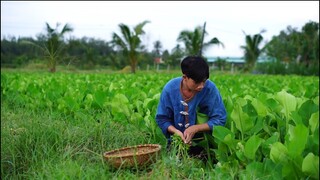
(291, 48)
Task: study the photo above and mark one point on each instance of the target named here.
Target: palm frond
(126, 33)
(32, 44)
(66, 28)
(49, 29)
(138, 29)
(118, 41)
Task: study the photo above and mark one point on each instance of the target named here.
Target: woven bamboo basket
(133, 156)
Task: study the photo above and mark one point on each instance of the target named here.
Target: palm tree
(130, 42)
(192, 40)
(157, 45)
(177, 54)
(53, 44)
(252, 50)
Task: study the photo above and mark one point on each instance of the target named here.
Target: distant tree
(53, 44)
(286, 46)
(130, 42)
(15, 54)
(167, 59)
(294, 46)
(192, 40)
(177, 54)
(157, 45)
(146, 59)
(252, 49)
(116, 60)
(310, 43)
(221, 63)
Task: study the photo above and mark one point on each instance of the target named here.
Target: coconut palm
(130, 42)
(252, 50)
(157, 45)
(177, 54)
(53, 44)
(192, 40)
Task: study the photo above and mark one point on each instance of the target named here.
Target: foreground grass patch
(46, 146)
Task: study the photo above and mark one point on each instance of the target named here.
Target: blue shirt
(208, 100)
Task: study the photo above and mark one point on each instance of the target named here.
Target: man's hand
(192, 130)
(189, 133)
(173, 130)
(179, 133)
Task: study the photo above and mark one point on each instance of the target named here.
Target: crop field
(57, 126)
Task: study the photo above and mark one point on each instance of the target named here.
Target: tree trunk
(133, 65)
(53, 69)
(133, 69)
(52, 66)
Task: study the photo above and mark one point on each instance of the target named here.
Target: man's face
(192, 85)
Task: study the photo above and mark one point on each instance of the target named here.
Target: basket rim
(158, 147)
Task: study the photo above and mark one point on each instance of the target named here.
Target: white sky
(225, 20)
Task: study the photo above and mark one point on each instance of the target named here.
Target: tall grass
(35, 143)
(51, 146)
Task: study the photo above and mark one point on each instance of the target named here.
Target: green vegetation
(57, 126)
(130, 43)
(52, 45)
(293, 51)
(192, 40)
(252, 50)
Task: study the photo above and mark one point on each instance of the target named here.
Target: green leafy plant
(179, 148)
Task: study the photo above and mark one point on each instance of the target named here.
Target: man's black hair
(196, 68)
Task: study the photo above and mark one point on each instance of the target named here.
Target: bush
(277, 67)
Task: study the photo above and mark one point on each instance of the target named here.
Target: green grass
(50, 146)
(40, 140)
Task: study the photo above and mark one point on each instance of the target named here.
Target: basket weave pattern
(132, 156)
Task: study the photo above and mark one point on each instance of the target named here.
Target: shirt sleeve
(214, 107)
(164, 115)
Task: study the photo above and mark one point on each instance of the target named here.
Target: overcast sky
(224, 19)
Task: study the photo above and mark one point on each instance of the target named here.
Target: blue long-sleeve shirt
(208, 100)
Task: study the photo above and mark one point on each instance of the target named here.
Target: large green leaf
(316, 100)
(201, 118)
(224, 135)
(266, 170)
(297, 119)
(288, 102)
(252, 146)
(99, 98)
(257, 126)
(71, 102)
(272, 103)
(260, 108)
(307, 109)
(266, 145)
(298, 137)
(136, 118)
(310, 165)
(121, 99)
(314, 122)
(242, 120)
(121, 111)
(279, 153)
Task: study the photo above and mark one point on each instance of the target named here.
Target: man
(183, 96)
